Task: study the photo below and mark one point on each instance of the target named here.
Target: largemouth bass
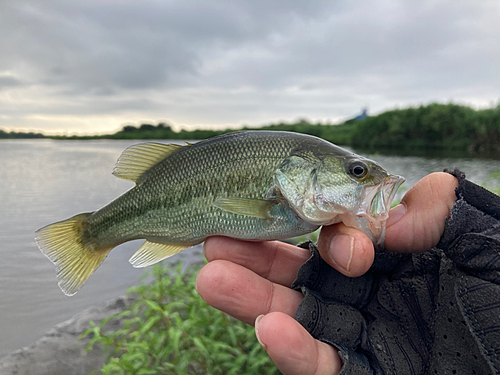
(252, 185)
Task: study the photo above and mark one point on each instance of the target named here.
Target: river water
(42, 181)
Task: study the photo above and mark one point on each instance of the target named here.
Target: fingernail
(395, 214)
(196, 283)
(341, 249)
(257, 321)
(204, 253)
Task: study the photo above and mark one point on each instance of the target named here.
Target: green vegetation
(169, 329)
(161, 131)
(435, 126)
(493, 183)
(13, 135)
(438, 126)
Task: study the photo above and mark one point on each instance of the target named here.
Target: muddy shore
(60, 351)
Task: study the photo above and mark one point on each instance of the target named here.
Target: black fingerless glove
(431, 313)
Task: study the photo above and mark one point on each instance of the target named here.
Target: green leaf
(169, 329)
(155, 306)
(201, 347)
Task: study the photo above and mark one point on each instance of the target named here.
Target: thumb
(293, 349)
(417, 223)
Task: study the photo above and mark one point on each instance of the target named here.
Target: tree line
(433, 126)
(12, 135)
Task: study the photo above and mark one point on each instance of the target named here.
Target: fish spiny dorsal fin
(138, 159)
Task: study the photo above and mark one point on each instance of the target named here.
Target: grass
(493, 183)
(169, 329)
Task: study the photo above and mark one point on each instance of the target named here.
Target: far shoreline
(432, 128)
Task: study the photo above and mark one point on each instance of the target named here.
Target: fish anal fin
(153, 252)
(246, 206)
(138, 159)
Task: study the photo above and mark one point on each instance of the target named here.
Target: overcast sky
(96, 65)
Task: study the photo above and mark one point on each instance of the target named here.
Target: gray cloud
(7, 81)
(218, 62)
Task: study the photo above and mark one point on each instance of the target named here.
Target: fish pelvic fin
(64, 245)
(153, 252)
(138, 159)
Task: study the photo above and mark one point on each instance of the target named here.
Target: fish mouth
(374, 209)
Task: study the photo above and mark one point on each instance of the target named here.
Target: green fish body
(252, 185)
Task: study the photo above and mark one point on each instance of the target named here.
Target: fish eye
(358, 169)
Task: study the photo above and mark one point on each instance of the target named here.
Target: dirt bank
(59, 351)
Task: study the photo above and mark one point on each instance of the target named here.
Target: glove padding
(431, 313)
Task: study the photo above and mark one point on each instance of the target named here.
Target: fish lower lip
(375, 215)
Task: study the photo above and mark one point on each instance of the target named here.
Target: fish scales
(255, 185)
(181, 206)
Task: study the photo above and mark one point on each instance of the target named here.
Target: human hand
(249, 280)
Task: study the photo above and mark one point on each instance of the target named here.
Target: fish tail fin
(64, 244)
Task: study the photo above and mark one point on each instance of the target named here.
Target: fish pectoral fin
(153, 252)
(138, 159)
(247, 206)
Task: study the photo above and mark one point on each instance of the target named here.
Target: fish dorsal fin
(153, 252)
(138, 159)
(246, 206)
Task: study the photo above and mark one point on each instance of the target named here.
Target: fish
(250, 185)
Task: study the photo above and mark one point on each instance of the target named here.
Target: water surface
(42, 181)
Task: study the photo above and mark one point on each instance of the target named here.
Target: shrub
(169, 329)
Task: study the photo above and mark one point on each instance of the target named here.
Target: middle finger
(242, 293)
(276, 261)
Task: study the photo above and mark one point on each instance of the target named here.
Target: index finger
(276, 261)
